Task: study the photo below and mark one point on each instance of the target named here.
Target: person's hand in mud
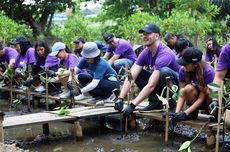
(128, 110)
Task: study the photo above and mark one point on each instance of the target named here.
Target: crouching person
(102, 79)
(194, 77)
(68, 60)
(161, 62)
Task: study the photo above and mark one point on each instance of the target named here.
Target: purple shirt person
(163, 57)
(224, 58)
(162, 63)
(27, 59)
(52, 61)
(212, 49)
(194, 77)
(120, 52)
(71, 61)
(8, 55)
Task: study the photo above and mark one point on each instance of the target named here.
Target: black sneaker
(152, 106)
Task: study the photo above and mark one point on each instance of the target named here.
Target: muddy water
(95, 139)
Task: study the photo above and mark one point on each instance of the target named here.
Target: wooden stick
(220, 95)
(47, 93)
(1, 127)
(28, 88)
(168, 80)
(72, 83)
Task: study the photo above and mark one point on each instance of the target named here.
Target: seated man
(162, 63)
(79, 42)
(119, 53)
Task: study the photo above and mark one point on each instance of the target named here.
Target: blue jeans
(104, 88)
(143, 79)
(119, 65)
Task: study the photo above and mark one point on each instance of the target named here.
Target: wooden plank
(51, 116)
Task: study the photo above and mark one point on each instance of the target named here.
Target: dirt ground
(9, 148)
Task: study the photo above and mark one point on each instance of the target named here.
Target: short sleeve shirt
(224, 58)
(10, 54)
(208, 75)
(124, 49)
(71, 61)
(164, 57)
(209, 56)
(28, 59)
(100, 69)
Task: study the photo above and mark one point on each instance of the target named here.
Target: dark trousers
(104, 88)
(143, 79)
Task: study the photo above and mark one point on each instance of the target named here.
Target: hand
(51, 73)
(212, 108)
(119, 104)
(128, 110)
(178, 116)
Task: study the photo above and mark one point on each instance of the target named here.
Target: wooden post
(28, 88)
(1, 127)
(78, 130)
(45, 128)
(72, 75)
(210, 140)
(220, 95)
(47, 93)
(168, 81)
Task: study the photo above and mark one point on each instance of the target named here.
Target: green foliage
(186, 147)
(63, 111)
(9, 29)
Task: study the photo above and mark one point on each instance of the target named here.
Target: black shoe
(152, 106)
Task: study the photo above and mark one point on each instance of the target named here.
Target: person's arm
(135, 71)
(114, 58)
(196, 104)
(106, 56)
(93, 84)
(151, 85)
(11, 63)
(219, 76)
(181, 100)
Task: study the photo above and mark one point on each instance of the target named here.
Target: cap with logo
(191, 55)
(18, 40)
(150, 28)
(57, 47)
(108, 37)
(90, 50)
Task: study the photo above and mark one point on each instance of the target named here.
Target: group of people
(97, 68)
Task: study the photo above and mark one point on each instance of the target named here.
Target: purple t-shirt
(208, 75)
(28, 59)
(71, 61)
(164, 57)
(10, 53)
(124, 49)
(224, 58)
(50, 61)
(209, 56)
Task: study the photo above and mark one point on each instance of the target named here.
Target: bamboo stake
(46, 83)
(28, 88)
(220, 95)
(215, 61)
(72, 83)
(168, 80)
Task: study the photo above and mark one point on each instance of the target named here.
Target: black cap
(191, 55)
(150, 28)
(108, 37)
(1, 46)
(79, 39)
(18, 39)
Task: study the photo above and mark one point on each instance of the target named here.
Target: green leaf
(175, 97)
(63, 111)
(185, 146)
(213, 94)
(227, 86)
(174, 88)
(43, 79)
(214, 86)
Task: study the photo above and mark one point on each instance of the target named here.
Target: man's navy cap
(150, 28)
(79, 39)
